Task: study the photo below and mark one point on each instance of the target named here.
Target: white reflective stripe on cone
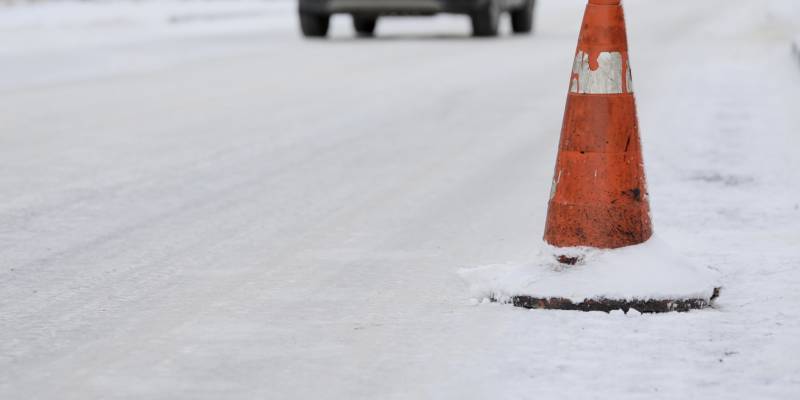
(606, 79)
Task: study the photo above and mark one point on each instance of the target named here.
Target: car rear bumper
(380, 7)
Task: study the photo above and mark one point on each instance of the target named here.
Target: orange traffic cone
(598, 206)
(599, 195)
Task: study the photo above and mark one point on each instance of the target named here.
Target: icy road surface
(200, 207)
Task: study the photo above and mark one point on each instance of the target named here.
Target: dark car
(485, 14)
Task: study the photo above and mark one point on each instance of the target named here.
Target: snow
(651, 270)
(108, 35)
(220, 209)
(796, 47)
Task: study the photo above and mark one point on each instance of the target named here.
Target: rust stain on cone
(599, 193)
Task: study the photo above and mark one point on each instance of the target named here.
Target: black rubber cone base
(608, 305)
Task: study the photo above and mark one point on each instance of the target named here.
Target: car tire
(522, 18)
(485, 22)
(364, 26)
(314, 25)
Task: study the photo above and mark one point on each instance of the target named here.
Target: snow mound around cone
(648, 271)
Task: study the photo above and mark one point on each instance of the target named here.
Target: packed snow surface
(651, 270)
(199, 204)
(796, 48)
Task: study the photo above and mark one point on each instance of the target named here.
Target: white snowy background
(198, 203)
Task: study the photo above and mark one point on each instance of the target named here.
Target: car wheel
(522, 18)
(314, 25)
(364, 26)
(486, 21)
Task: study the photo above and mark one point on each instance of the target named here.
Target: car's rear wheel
(522, 18)
(314, 25)
(364, 26)
(485, 22)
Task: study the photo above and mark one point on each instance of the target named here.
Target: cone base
(646, 306)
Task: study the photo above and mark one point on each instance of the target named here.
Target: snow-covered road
(216, 208)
